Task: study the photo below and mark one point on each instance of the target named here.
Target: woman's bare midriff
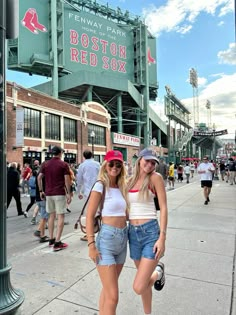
(138, 221)
(119, 222)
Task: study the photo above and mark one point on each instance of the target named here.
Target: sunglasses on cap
(116, 164)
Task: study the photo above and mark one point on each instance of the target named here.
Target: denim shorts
(142, 239)
(112, 245)
(42, 209)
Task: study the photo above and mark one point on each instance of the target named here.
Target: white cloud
(184, 29)
(221, 23)
(228, 7)
(222, 95)
(228, 56)
(179, 15)
(202, 82)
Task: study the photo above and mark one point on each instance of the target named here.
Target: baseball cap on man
(113, 155)
(57, 150)
(148, 154)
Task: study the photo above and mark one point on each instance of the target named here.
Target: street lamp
(92, 135)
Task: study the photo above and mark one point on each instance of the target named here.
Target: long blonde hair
(146, 184)
(120, 180)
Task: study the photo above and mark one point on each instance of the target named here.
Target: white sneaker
(26, 214)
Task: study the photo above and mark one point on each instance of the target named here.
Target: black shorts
(206, 183)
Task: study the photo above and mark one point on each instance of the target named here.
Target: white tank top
(114, 203)
(141, 209)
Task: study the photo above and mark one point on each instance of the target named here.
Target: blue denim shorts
(142, 239)
(112, 245)
(42, 209)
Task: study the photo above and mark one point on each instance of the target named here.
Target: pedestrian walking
(26, 173)
(232, 171)
(146, 235)
(180, 171)
(41, 203)
(206, 169)
(72, 186)
(192, 169)
(187, 172)
(32, 192)
(13, 183)
(162, 169)
(86, 176)
(171, 175)
(57, 192)
(109, 250)
(222, 170)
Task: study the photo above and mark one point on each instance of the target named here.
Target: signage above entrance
(120, 138)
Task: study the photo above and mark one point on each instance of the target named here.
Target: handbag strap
(85, 204)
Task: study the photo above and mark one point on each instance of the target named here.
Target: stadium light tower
(208, 107)
(193, 79)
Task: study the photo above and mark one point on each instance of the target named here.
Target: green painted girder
(103, 80)
(157, 120)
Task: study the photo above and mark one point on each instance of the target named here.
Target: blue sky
(190, 33)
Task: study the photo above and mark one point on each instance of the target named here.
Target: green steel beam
(54, 48)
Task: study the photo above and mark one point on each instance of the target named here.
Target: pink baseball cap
(113, 155)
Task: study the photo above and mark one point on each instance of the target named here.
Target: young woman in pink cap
(109, 249)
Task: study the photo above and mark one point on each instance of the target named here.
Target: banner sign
(19, 127)
(125, 139)
(97, 44)
(210, 133)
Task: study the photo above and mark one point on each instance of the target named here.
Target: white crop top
(141, 209)
(114, 203)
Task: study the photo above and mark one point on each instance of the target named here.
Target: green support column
(159, 136)
(54, 48)
(138, 126)
(119, 113)
(146, 89)
(10, 298)
(90, 94)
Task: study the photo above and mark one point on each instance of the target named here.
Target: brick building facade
(48, 121)
(42, 115)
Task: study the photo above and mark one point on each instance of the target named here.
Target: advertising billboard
(96, 44)
(90, 42)
(33, 32)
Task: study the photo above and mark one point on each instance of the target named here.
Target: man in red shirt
(25, 178)
(57, 192)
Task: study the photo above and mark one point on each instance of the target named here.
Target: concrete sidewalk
(199, 259)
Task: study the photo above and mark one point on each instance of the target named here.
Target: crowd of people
(129, 197)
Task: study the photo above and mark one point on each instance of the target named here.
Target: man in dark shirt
(232, 171)
(222, 170)
(13, 182)
(57, 192)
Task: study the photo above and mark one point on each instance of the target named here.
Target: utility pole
(10, 298)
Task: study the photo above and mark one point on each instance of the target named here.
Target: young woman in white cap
(146, 235)
(108, 252)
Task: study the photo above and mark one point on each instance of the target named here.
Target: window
(52, 127)
(70, 129)
(99, 135)
(32, 123)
